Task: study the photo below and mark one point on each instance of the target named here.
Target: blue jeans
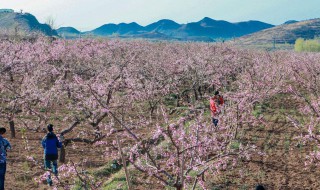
(215, 121)
(51, 164)
(3, 168)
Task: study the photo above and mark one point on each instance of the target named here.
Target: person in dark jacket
(50, 144)
(4, 147)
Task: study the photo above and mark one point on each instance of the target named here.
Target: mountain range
(207, 29)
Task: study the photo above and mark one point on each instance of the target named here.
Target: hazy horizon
(87, 15)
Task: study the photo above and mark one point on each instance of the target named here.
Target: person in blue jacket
(50, 144)
(4, 147)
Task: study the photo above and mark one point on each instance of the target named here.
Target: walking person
(50, 144)
(215, 107)
(4, 147)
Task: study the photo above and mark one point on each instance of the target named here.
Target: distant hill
(214, 29)
(117, 29)
(68, 32)
(164, 26)
(23, 23)
(285, 33)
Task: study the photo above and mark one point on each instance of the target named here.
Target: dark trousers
(53, 166)
(215, 121)
(3, 168)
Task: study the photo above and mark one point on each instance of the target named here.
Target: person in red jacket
(215, 105)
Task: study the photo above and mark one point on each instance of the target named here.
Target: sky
(86, 15)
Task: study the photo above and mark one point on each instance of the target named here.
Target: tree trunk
(237, 126)
(195, 184)
(178, 101)
(200, 92)
(62, 157)
(195, 94)
(12, 129)
(152, 107)
(124, 164)
(179, 187)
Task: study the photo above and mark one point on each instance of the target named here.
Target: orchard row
(154, 96)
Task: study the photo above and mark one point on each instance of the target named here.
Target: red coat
(213, 105)
(220, 99)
